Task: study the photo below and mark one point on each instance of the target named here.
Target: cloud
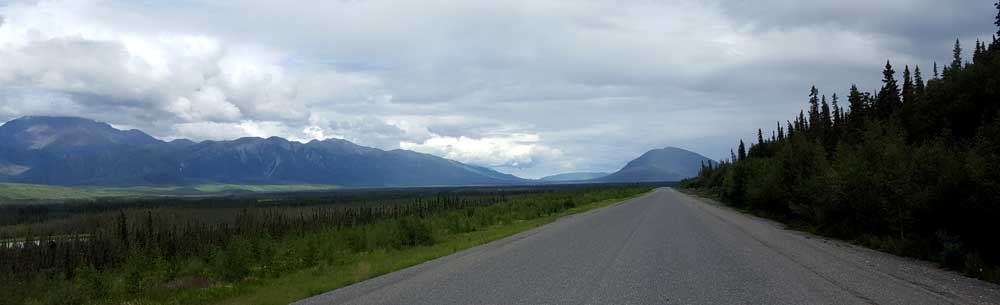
(515, 150)
(530, 87)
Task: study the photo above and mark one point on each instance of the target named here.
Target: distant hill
(665, 164)
(573, 177)
(77, 151)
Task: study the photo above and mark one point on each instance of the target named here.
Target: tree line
(913, 169)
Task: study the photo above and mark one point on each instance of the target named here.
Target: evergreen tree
(856, 102)
(918, 80)
(802, 124)
(825, 117)
(888, 98)
(936, 74)
(814, 115)
(760, 137)
(956, 62)
(977, 54)
(997, 22)
(838, 114)
(781, 133)
(732, 155)
(742, 152)
(907, 86)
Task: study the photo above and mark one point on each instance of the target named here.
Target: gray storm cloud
(528, 87)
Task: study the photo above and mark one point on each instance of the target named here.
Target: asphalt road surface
(666, 248)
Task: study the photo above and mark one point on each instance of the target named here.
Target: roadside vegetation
(37, 193)
(913, 169)
(254, 251)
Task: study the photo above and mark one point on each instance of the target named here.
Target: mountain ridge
(573, 176)
(79, 151)
(668, 164)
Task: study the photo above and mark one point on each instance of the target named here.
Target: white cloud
(514, 150)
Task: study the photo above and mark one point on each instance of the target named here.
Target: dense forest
(913, 169)
(147, 251)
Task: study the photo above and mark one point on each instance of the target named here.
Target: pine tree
(732, 156)
(760, 137)
(936, 74)
(907, 86)
(856, 102)
(781, 133)
(956, 62)
(838, 114)
(802, 124)
(742, 152)
(813, 108)
(918, 80)
(888, 98)
(824, 117)
(998, 18)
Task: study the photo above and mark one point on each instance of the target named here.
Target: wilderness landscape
(480, 152)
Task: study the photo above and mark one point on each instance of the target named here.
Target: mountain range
(576, 176)
(78, 151)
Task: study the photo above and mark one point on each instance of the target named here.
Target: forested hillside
(912, 169)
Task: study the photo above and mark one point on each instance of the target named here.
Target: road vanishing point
(666, 247)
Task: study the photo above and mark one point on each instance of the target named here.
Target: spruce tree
(997, 22)
(918, 82)
(838, 118)
(979, 51)
(907, 86)
(856, 102)
(813, 108)
(824, 117)
(742, 151)
(936, 74)
(888, 98)
(760, 137)
(956, 62)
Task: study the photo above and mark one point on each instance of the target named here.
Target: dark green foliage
(742, 152)
(889, 99)
(918, 82)
(814, 115)
(96, 255)
(913, 172)
(956, 61)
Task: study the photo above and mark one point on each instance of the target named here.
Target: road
(666, 248)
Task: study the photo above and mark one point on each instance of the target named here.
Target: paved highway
(666, 248)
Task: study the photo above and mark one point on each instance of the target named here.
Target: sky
(529, 87)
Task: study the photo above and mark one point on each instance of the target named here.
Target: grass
(18, 192)
(356, 267)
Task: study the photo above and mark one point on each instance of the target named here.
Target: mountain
(76, 151)
(665, 164)
(580, 176)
